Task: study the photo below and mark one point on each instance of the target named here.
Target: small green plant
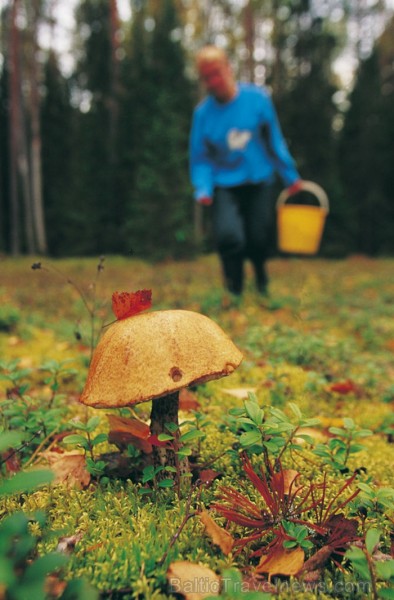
(369, 568)
(150, 474)
(36, 419)
(297, 536)
(21, 576)
(233, 587)
(88, 443)
(181, 445)
(269, 431)
(58, 373)
(372, 501)
(9, 318)
(337, 451)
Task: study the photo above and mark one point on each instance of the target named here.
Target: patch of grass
(323, 343)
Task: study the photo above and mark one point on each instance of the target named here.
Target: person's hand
(295, 187)
(205, 200)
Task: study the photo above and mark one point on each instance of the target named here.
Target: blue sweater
(238, 142)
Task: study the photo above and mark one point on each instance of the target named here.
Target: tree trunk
(249, 39)
(36, 169)
(14, 130)
(114, 99)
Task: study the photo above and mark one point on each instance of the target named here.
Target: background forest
(94, 153)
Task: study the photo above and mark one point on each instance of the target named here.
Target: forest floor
(291, 490)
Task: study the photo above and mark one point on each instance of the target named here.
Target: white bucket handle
(307, 186)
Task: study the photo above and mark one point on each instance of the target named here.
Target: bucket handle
(307, 186)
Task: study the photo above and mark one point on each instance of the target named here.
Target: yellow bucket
(300, 226)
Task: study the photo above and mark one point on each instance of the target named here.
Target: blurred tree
(4, 162)
(96, 163)
(367, 150)
(58, 130)
(159, 213)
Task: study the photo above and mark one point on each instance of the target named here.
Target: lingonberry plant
(288, 509)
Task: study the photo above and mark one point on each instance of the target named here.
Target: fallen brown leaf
(125, 431)
(219, 536)
(193, 581)
(69, 468)
(281, 561)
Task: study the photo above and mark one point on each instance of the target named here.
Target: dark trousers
(242, 221)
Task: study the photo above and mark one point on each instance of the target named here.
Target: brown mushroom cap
(153, 354)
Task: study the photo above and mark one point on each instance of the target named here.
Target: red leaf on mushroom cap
(127, 304)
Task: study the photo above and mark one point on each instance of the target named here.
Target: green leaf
(372, 539)
(337, 431)
(254, 411)
(25, 481)
(92, 424)
(385, 569)
(165, 437)
(231, 581)
(296, 410)
(10, 439)
(307, 438)
(186, 451)
(363, 433)
(189, 436)
(354, 448)
(172, 427)
(359, 562)
(166, 483)
(99, 439)
(77, 439)
(45, 565)
(7, 576)
(250, 438)
(386, 594)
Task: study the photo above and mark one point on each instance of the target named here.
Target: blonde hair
(210, 54)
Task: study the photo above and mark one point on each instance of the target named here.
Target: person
(236, 149)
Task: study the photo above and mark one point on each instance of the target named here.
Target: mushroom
(153, 355)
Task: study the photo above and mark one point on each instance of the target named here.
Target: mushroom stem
(165, 411)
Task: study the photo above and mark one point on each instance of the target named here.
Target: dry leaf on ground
(69, 468)
(281, 561)
(193, 581)
(125, 431)
(218, 535)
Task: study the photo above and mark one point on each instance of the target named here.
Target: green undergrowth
(314, 394)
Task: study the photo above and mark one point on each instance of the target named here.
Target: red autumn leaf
(344, 387)
(11, 460)
(154, 440)
(125, 431)
(187, 400)
(127, 304)
(208, 475)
